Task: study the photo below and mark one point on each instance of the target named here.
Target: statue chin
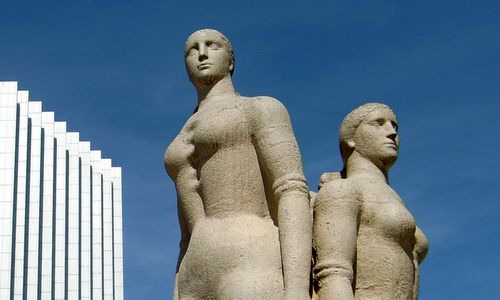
(388, 160)
(206, 80)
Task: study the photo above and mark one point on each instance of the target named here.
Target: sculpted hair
(225, 41)
(351, 123)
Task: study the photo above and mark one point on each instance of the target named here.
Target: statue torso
(236, 236)
(385, 242)
(217, 142)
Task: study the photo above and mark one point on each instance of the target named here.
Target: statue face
(207, 58)
(377, 139)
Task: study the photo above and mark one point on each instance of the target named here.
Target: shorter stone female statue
(366, 243)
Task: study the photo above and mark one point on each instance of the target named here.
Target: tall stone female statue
(366, 243)
(241, 193)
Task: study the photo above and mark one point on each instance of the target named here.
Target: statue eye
(212, 45)
(379, 122)
(192, 50)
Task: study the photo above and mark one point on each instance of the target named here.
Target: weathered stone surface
(242, 197)
(366, 243)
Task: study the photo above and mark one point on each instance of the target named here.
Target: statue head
(371, 130)
(208, 56)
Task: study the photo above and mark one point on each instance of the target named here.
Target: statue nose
(203, 54)
(391, 131)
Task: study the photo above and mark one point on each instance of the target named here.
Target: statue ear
(231, 65)
(351, 144)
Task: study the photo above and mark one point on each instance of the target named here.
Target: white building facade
(60, 208)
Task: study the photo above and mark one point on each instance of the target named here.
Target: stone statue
(366, 243)
(241, 194)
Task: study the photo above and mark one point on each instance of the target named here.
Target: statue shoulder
(265, 105)
(339, 190)
(266, 111)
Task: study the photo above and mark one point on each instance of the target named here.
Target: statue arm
(189, 209)
(281, 165)
(336, 219)
(189, 202)
(183, 244)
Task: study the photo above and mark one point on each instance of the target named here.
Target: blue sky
(114, 71)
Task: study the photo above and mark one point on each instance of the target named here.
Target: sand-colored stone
(241, 193)
(366, 243)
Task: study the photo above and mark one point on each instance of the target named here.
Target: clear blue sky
(114, 71)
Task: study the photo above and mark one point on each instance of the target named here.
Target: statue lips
(392, 145)
(204, 66)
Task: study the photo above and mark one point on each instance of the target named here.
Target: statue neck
(360, 167)
(221, 87)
